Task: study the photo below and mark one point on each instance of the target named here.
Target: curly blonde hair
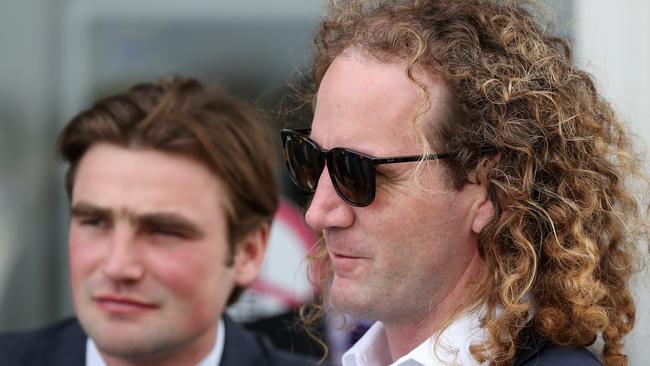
(560, 248)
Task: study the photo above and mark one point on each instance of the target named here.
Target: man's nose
(327, 209)
(123, 262)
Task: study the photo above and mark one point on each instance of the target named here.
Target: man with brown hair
(472, 187)
(172, 192)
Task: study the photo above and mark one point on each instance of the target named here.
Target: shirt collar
(449, 348)
(371, 349)
(93, 357)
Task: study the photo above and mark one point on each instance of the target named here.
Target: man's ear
(249, 254)
(484, 208)
(484, 212)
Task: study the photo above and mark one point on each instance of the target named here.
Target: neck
(404, 336)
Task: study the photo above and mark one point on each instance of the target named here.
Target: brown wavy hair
(181, 116)
(560, 248)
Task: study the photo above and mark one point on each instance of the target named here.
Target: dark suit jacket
(536, 351)
(64, 344)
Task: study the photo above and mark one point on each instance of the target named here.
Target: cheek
(193, 276)
(179, 270)
(419, 230)
(84, 257)
(197, 283)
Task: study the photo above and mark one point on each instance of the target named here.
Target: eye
(164, 232)
(93, 222)
(167, 232)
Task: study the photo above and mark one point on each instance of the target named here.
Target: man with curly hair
(471, 185)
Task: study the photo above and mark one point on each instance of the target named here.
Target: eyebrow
(172, 221)
(84, 209)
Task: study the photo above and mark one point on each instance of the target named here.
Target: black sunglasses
(352, 173)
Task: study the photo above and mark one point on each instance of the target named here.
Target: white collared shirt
(452, 347)
(93, 358)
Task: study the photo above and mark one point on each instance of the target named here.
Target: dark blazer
(64, 344)
(536, 351)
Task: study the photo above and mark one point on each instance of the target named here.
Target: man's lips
(345, 262)
(123, 304)
(344, 256)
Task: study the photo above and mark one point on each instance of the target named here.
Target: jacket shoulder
(278, 357)
(559, 356)
(535, 350)
(245, 348)
(62, 343)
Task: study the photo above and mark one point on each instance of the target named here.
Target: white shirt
(93, 358)
(452, 347)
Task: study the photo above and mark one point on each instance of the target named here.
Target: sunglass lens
(353, 176)
(305, 162)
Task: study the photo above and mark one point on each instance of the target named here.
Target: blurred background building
(57, 56)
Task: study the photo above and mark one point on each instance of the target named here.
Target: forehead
(146, 180)
(370, 105)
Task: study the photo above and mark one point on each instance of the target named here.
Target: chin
(351, 301)
(134, 347)
(118, 337)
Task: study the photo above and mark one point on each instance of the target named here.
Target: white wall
(613, 43)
